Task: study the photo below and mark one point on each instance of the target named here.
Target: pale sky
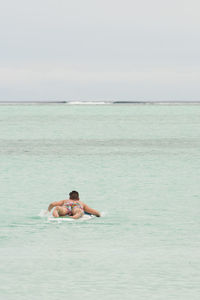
(100, 50)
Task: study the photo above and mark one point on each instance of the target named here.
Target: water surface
(138, 165)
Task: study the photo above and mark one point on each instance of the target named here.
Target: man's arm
(91, 210)
(53, 204)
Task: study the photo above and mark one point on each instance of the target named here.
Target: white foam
(44, 213)
(103, 214)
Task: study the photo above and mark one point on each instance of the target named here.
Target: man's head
(74, 195)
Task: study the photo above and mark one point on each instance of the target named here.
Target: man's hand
(53, 204)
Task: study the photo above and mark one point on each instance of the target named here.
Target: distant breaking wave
(88, 103)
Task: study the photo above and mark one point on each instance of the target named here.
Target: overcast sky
(100, 50)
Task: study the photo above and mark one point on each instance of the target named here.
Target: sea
(138, 164)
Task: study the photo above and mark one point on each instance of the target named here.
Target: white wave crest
(88, 103)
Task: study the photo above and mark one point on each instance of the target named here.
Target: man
(72, 207)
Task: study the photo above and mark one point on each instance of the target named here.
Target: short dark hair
(74, 195)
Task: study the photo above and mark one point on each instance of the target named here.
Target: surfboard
(85, 217)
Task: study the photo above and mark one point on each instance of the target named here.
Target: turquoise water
(137, 164)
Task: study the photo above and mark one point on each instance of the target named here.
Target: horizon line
(100, 102)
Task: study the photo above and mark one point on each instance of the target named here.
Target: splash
(44, 213)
